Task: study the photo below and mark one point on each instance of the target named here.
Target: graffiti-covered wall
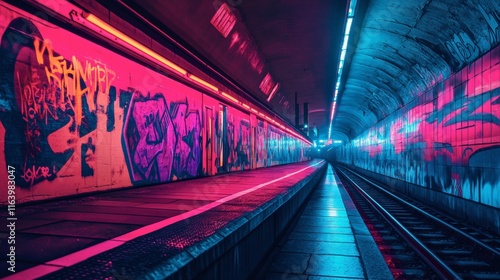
(77, 117)
(281, 147)
(448, 139)
(238, 140)
(261, 149)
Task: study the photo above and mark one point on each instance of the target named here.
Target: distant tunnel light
(136, 46)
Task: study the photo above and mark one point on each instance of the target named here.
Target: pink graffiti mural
(187, 126)
(77, 117)
(260, 154)
(446, 137)
(162, 143)
(48, 105)
(149, 139)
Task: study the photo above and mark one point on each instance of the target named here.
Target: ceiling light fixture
(348, 25)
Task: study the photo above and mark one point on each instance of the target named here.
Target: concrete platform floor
(328, 241)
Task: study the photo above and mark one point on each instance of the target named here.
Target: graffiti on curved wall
(448, 139)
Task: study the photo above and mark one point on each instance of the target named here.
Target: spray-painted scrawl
(48, 105)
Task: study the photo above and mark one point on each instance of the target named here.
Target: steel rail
(443, 270)
(430, 216)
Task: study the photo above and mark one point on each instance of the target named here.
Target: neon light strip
(203, 82)
(133, 43)
(99, 23)
(273, 91)
(230, 97)
(334, 103)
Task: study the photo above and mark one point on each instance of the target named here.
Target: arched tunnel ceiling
(403, 48)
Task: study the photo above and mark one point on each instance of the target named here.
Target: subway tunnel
(250, 139)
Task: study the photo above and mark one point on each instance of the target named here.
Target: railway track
(418, 242)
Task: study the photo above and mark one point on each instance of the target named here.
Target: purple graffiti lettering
(163, 143)
(187, 156)
(150, 139)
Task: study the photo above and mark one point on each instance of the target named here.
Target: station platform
(219, 227)
(329, 240)
(173, 229)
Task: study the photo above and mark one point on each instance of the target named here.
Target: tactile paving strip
(143, 254)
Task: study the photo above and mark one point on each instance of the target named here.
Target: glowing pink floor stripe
(79, 256)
